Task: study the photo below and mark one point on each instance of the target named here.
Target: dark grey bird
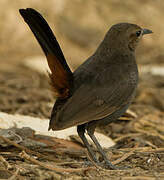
(100, 90)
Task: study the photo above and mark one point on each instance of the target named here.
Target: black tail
(61, 76)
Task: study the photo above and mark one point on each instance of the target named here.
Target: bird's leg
(81, 131)
(90, 129)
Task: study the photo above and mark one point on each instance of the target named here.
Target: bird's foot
(123, 167)
(106, 165)
(109, 165)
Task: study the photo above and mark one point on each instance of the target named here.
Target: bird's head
(126, 35)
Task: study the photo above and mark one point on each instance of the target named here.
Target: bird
(100, 90)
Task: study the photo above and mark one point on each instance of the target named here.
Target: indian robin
(100, 90)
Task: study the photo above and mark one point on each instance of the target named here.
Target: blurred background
(79, 26)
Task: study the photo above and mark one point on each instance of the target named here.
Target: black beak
(146, 31)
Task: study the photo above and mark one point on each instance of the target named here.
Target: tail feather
(61, 76)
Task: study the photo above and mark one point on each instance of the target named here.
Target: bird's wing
(90, 103)
(61, 75)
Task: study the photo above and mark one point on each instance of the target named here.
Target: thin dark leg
(90, 130)
(81, 131)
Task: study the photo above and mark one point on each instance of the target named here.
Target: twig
(15, 174)
(18, 136)
(24, 155)
(23, 148)
(126, 136)
(68, 163)
(151, 144)
(130, 113)
(139, 177)
(158, 150)
(139, 149)
(16, 145)
(5, 163)
(139, 128)
(126, 155)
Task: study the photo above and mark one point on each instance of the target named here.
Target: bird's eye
(138, 33)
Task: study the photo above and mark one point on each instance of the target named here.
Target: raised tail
(61, 76)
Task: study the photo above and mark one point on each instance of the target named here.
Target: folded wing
(88, 104)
